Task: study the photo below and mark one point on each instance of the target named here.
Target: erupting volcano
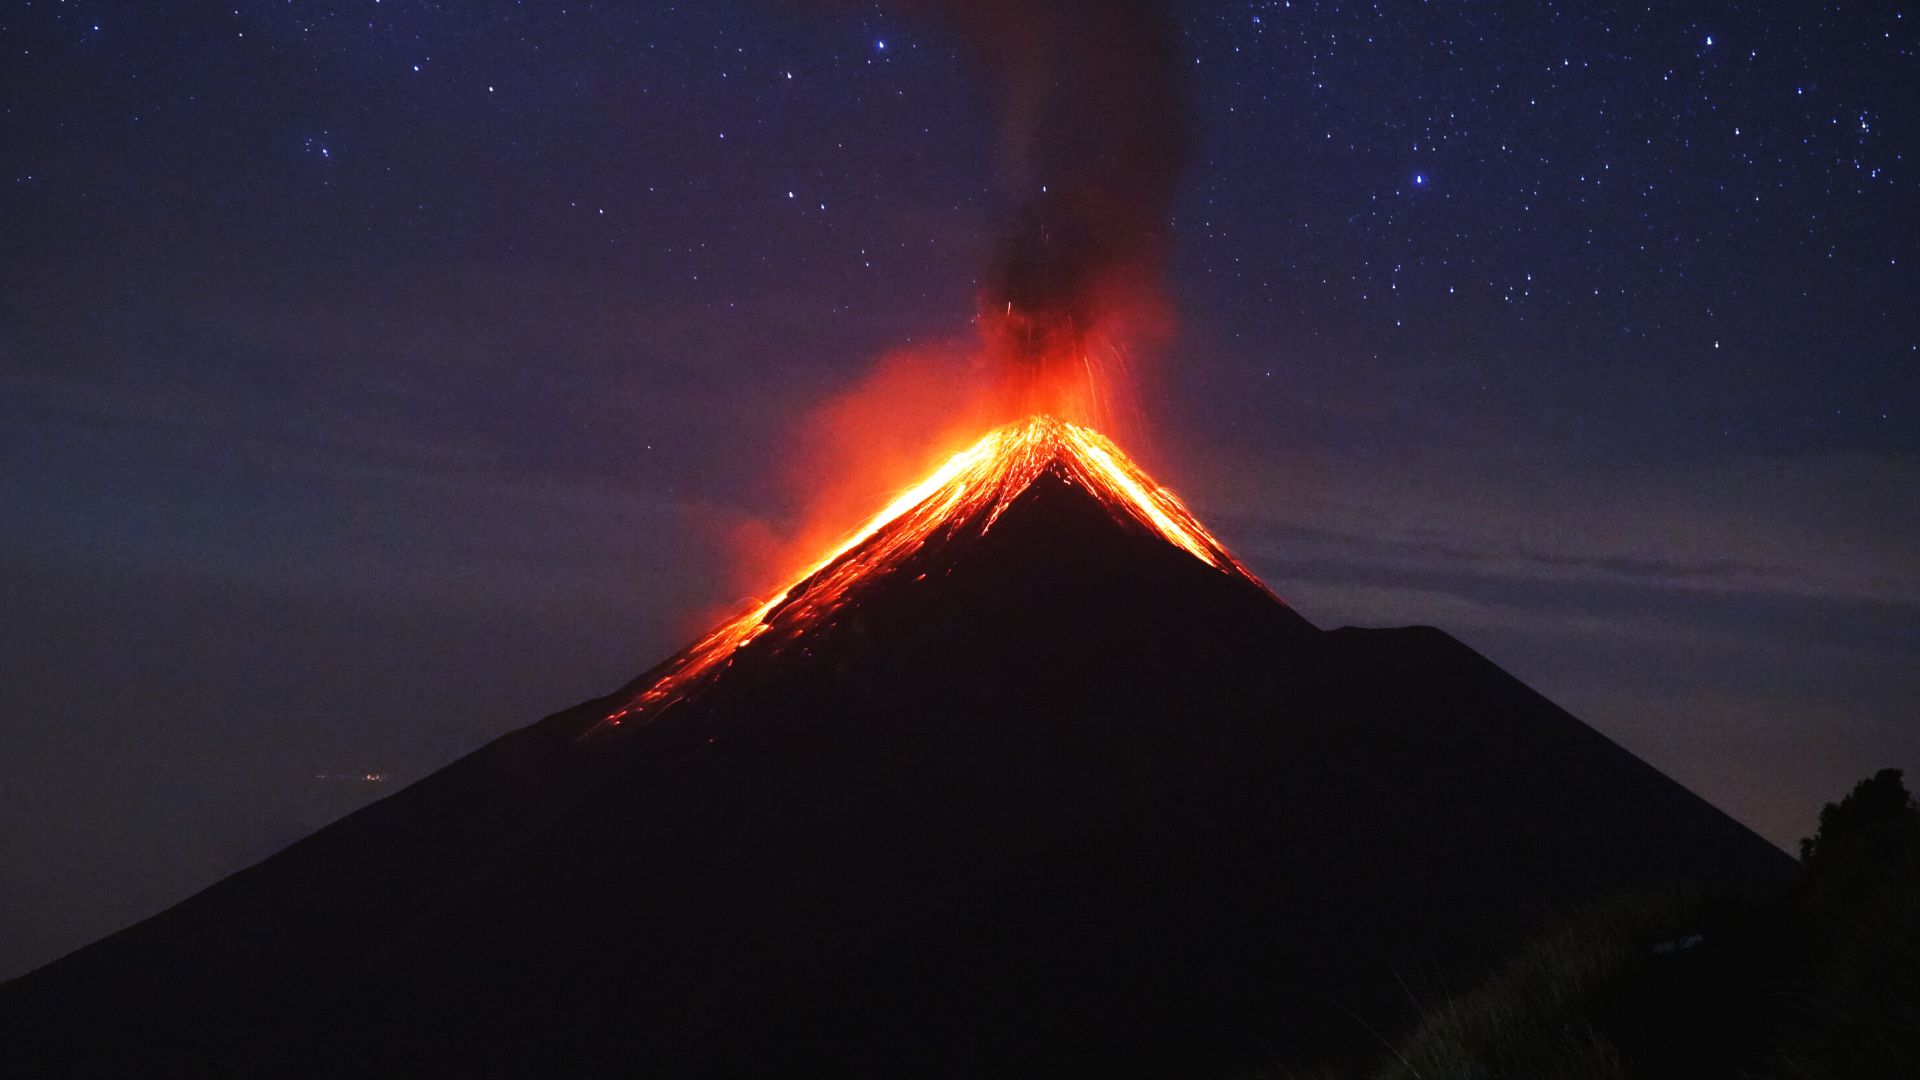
(1026, 777)
(962, 499)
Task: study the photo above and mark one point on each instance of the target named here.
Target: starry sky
(379, 376)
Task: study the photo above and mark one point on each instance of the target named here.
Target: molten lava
(968, 493)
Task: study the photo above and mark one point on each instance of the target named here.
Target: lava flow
(968, 493)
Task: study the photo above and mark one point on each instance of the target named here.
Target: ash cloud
(1094, 138)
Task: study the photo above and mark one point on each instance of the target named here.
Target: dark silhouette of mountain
(1059, 798)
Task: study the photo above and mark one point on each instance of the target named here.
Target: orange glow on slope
(975, 485)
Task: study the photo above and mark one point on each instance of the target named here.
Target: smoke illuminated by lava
(965, 496)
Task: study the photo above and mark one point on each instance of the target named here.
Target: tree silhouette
(1872, 834)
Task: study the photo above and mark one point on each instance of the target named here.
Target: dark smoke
(1094, 138)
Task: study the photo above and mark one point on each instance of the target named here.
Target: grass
(1537, 1017)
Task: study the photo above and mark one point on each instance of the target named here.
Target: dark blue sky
(376, 377)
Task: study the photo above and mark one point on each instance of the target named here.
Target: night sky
(377, 377)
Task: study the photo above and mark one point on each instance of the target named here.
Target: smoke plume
(1093, 140)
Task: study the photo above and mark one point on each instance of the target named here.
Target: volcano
(1027, 777)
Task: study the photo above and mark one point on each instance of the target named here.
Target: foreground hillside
(1819, 979)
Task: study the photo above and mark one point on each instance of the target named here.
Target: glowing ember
(971, 490)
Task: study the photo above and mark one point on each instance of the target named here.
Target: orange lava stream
(976, 484)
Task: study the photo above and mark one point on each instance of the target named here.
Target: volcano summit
(961, 500)
(1027, 777)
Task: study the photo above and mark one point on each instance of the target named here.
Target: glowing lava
(969, 492)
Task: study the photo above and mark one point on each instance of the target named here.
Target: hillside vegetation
(1820, 981)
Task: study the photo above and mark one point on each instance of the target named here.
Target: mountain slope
(1061, 796)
